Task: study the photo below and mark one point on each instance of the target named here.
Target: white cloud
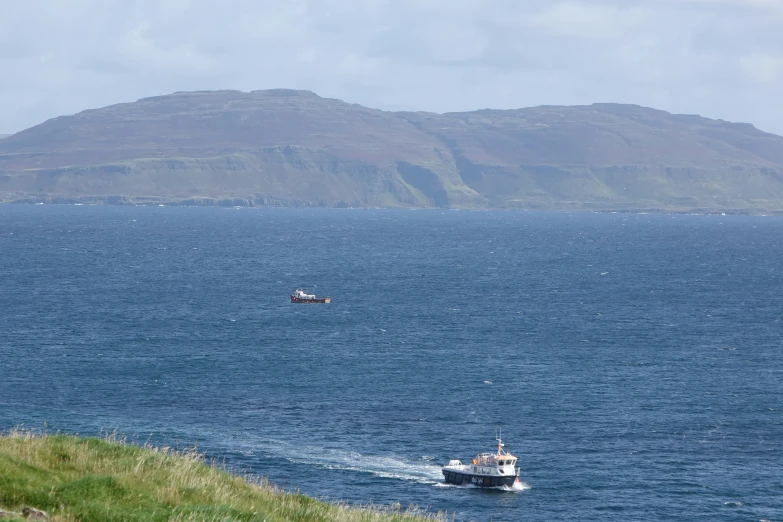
(763, 68)
(743, 4)
(590, 20)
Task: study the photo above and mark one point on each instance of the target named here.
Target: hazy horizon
(721, 59)
(5, 134)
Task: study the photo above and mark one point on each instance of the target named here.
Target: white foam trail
(380, 466)
(386, 467)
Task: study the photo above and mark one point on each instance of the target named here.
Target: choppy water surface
(634, 362)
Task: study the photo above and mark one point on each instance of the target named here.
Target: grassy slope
(90, 479)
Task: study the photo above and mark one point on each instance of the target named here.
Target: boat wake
(518, 486)
(420, 470)
(385, 467)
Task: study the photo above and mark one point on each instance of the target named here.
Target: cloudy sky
(718, 58)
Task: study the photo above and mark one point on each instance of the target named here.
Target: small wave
(733, 503)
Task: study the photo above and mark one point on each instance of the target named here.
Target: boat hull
(317, 300)
(483, 481)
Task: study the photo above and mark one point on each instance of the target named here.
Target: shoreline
(274, 202)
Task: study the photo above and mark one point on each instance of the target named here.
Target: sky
(717, 58)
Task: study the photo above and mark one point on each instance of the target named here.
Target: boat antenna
(499, 437)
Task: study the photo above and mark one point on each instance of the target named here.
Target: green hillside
(88, 479)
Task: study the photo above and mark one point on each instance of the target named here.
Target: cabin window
(502, 463)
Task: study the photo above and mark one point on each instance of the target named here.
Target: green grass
(91, 479)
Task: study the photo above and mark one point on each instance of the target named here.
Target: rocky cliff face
(288, 147)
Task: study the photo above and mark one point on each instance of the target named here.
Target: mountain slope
(610, 156)
(294, 147)
(281, 144)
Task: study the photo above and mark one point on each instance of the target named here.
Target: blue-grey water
(634, 362)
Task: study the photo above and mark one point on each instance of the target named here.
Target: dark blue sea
(633, 362)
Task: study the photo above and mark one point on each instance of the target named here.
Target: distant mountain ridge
(290, 147)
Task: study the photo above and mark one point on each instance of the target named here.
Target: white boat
(300, 297)
(486, 470)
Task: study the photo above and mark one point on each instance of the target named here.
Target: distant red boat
(301, 297)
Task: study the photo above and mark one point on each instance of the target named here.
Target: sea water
(633, 362)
